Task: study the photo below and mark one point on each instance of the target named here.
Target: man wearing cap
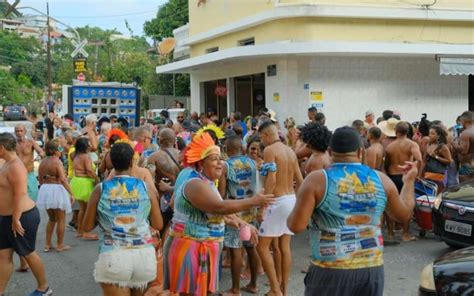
(345, 203)
(396, 154)
(369, 119)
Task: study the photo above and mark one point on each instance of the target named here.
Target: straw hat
(388, 127)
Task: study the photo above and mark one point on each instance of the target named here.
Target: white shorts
(274, 221)
(53, 196)
(131, 268)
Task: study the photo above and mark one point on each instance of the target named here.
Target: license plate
(457, 227)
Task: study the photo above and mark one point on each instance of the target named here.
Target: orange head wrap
(201, 147)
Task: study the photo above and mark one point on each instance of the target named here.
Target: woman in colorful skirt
(55, 195)
(193, 247)
(83, 182)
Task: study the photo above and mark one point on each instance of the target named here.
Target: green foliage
(170, 16)
(9, 89)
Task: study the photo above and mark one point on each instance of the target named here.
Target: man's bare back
(398, 152)
(163, 165)
(317, 161)
(14, 169)
(467, 137)
(287, 169)
(374, 156)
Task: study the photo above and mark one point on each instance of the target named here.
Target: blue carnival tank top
(122, 212)
(345, 229)
(191, 222)
(242, 182)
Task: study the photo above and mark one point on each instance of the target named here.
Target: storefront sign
(276, 97)
(271, 70)
(316, 96)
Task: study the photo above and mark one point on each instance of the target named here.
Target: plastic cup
(245, 233)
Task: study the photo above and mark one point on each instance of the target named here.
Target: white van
(153, 113)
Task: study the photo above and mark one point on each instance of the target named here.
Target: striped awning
(456, 66)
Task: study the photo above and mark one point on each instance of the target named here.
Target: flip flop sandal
(90, 237)
(47, 249)
(63, 249)
(22, 270)
(249, 290)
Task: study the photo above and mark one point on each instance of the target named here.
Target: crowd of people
(178, 201)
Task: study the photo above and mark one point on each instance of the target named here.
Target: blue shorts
(232, 238)
(33, 186)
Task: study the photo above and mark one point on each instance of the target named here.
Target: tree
(9, 89)
(170, 16)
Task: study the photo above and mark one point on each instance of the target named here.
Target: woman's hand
(262, 199)
(253, 235)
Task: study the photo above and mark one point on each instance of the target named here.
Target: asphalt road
(70, 273)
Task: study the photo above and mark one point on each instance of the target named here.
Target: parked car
(453, 215)
(450, 274)
(14, 112)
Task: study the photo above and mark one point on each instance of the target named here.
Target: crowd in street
(178, 201)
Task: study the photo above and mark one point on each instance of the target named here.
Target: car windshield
(461, 192)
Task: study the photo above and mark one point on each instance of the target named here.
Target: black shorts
(344, 282)
(398, 180)
(22, 245)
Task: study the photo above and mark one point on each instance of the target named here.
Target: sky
(106, 14)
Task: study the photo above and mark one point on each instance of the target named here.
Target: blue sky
(106, 14)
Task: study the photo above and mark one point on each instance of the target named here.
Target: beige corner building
(342, 56)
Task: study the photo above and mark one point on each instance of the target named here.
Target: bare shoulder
(17, 168)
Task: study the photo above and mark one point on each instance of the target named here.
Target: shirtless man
(164, 166)
(19, 218)
(24, 149)
(316, 137)
(374, 154)
(281, 170)
(178, 126)
(397, 154)
(90, 131)
(465, 147)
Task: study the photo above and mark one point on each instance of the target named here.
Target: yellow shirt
(70, 168)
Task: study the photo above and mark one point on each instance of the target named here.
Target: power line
(105, 16)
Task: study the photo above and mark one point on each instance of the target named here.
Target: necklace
(275, 141)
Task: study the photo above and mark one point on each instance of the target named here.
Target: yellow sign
(276, 97)
(316, 96)
(80, 65)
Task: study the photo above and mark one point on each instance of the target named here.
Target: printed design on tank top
(345, 228)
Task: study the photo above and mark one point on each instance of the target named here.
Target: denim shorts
(131, 268)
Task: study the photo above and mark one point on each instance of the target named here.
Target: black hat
(344, 140)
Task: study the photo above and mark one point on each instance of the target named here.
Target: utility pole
(48, 50)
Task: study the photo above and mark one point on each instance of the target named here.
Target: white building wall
(350, 86)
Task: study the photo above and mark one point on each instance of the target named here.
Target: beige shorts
(131, 268)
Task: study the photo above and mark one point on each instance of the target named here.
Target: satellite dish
(166, 46)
